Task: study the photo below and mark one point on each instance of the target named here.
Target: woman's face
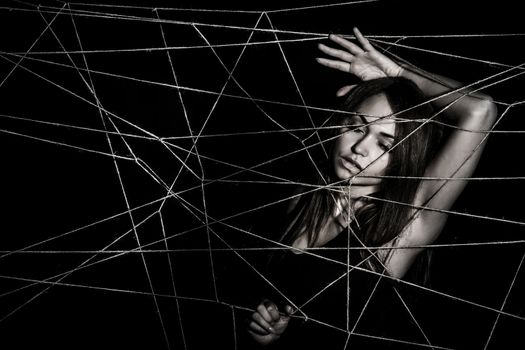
(361, 148)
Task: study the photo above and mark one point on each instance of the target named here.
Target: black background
(49, 190)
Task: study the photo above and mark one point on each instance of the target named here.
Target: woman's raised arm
(471, 115)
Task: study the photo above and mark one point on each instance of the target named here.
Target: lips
(351, 164)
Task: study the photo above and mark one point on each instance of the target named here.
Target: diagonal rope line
(444, 54)
(88, 263)
(240, 256)
(167, 49)
(98, 107)
(303, 102)
(256, 43)
(457, 213)
(223, 10)
(209, 229)
(412, 317)
(370, 272)
(195, 138)
(196, 250)
(185, 113)
(105, 15)
(208, 92)
(181, 327)
(364, 308)
(67, 274)
(321, 187)
(316, 7)
(180, 9)
(262, 110)
(135, 232)
(234, 325)
(95, 14)
(102, 15)
(32, 45)
(80, 97)
(301, 142)
(248, 96)
(260, 274)
(173, 284)
(297, 88)
(194, 145)
(262, 132)
(261, 207)
(137, 238)
(504, 301)
(350, 268)
(138, 293)
(56, 143)
(60, 277)
(402, 281)
(84, 227)
(437, 292)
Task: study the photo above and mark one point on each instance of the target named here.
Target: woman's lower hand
(267, 323)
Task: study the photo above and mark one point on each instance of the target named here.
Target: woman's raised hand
(362, 60)
(267, 324)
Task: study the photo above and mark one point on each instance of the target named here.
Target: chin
(342, 175)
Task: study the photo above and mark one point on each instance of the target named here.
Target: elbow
(492, 111)
(487, 109)
(483, 115)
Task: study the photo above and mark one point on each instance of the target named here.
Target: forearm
(464, 104)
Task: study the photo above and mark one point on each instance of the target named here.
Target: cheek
(344, 142)
(384, 161)
(338, 147)
(380, 165)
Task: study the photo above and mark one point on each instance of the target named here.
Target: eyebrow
(382, 133)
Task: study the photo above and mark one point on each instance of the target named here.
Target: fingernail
(271, 329)
(270, 308)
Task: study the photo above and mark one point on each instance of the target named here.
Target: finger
(254, 327)
(344, 90)
(350, 46)
(262, 322)
(362, 40)
(263, 311)
(335, 64)
(273, 311)
(343, 55)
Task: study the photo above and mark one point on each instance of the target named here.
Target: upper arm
(457, 158)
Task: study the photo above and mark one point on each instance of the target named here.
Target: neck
(357, 191)
(344, 210)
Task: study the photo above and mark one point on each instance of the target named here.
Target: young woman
(379, 160)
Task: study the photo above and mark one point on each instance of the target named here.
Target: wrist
(400, 72)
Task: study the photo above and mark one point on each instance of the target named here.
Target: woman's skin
(362, 147)
(363, 152)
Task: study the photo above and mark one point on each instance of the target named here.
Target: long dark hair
(379, 221)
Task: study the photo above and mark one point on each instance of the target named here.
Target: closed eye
(385, 147)
(357, 129)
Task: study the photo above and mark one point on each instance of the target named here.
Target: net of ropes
(147, 149)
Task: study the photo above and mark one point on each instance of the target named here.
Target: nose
(361, 147)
